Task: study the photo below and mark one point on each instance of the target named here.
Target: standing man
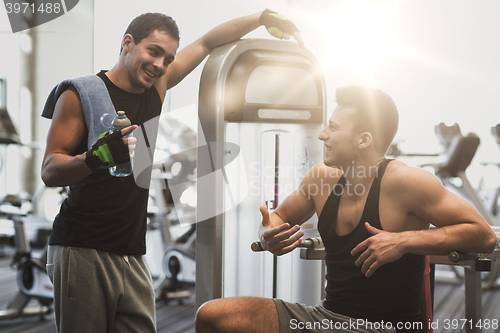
(374, 217)
(95, 250)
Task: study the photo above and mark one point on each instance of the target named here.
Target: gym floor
(173, 317)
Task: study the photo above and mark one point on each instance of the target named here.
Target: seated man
(374, 218)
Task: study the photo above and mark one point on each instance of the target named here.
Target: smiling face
(149, 59)
(339, 138)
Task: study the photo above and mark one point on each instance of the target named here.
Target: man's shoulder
(321, 173)
(86, 84)
(400, 177)
(83, 79)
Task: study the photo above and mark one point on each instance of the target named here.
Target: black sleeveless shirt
(102, 211)
(392, 293)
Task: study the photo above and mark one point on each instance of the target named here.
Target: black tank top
(106, 212)
(392, 293)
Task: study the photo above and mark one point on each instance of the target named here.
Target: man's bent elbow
(491, 241)
(47, 179)
(50, 177)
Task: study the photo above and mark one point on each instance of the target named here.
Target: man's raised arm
(192, 55)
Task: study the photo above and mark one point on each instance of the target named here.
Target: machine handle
(457, 256)
(481, 264)
(306, 243)
(317, 243)
(256, 247)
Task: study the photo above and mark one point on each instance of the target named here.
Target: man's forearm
(384, 247)
(230, 31)
(64, 170)
(192, 55)
(464, 237)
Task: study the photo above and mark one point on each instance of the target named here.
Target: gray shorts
(295, 317)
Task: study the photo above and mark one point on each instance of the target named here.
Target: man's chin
(146, 81)
(146, 84)
(328, 163)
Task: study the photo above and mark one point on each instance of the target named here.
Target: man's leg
(136, 310)
(84, 292)
(241, 314)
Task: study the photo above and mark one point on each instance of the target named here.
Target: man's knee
(207, 316)
(239, 313)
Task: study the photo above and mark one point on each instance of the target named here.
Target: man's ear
(365, 139)
(127, 42)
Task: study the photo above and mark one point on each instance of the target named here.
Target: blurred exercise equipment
(171, 227)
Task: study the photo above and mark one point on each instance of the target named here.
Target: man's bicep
(297, 208)
(451, 209)
(431, 201)
(68, 128)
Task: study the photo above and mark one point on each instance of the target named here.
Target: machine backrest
(445, 133)
(459, 149)
(495, 130)
(459, 155)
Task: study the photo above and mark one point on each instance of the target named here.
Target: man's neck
(118, 75)
(361, 171)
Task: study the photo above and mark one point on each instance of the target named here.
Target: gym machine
(261, 107)
(459, 151)
(171, 246)
(492, 199)
(32, 278)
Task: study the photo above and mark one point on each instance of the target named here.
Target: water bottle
(121, 121)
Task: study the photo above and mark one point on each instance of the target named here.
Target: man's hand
(280, 27)
(381, 248)
(111, 150)
(281, 239)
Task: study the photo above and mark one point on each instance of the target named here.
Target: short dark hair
(145, 24)
(375, 112)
